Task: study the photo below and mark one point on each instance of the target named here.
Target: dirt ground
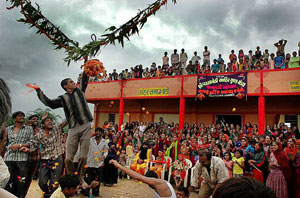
(124, 189)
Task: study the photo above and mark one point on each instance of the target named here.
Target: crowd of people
(217, 152)
(181, 64)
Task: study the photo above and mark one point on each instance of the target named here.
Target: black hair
(228, 154)
(205, 153)
(240, 151)
(32, 116)
(64, 82)
(184, 189)
(69, 181)
(99, 129)
(245, 187)
(151, 174)
(252, 141)
(15, 114)
(44, 120)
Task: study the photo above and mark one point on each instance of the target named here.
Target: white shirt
(142, 128)
(174, 58)
(97, 153)
(195, 58)
(183, 57)
(172, 190)
(206, 55)
(165, 60)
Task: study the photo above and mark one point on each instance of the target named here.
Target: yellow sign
(295, 85)
(157, 91)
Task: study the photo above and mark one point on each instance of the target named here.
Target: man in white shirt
(183, 59)
(161, 187)
(212, 170)
(206, 57)
(175, 58)
(165, 59)
(98, 151)
(195, 58)
(142, 127)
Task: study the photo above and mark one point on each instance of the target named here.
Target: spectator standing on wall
(272, 61)
(165, 59)
(195, 58)
(215, 67)
(280, 46)
(220, 59)
(257, 53)
(183, 59)
(206, 57)
(294, 61)
(139, 72)
(232, 56)
(279, 61)
(175, 58)
(114, 75)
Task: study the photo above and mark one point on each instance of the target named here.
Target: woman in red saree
(281, 174)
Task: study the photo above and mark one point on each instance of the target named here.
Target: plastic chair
(165, 167)
(149, 164)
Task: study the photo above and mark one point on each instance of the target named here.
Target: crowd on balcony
(182, 64)
(272, 158)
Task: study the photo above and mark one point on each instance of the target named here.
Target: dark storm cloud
(221, 25)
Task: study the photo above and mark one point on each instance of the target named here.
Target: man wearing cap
(18, 136)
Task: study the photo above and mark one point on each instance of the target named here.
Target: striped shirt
(75, 106)
(52, 146)
(24, 136)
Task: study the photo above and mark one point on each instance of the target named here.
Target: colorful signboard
(294, 85)
(222, 85)
(157, 91)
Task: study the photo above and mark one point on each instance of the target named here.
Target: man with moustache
(18, 136)
(50, 139)
(213, 171)
(98, 151)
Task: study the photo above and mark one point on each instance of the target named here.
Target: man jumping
(79, 118)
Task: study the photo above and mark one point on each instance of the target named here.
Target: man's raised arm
(53, 104)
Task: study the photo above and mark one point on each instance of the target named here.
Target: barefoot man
(79, 118)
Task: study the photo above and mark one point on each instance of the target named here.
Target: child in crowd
(179, 170)
(228, 163)
(266, 64)
(238, 164)
(123, 162)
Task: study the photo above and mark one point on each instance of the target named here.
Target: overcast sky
(190, 24)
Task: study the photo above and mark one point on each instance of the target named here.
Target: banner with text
(222, 85)
(157, 91)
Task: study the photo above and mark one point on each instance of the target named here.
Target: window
(111, 117)
(291, 119)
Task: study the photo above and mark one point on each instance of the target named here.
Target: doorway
(230, 119)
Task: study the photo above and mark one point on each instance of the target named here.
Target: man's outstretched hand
(114, 162)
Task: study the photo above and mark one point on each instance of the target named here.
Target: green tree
(39, 112)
